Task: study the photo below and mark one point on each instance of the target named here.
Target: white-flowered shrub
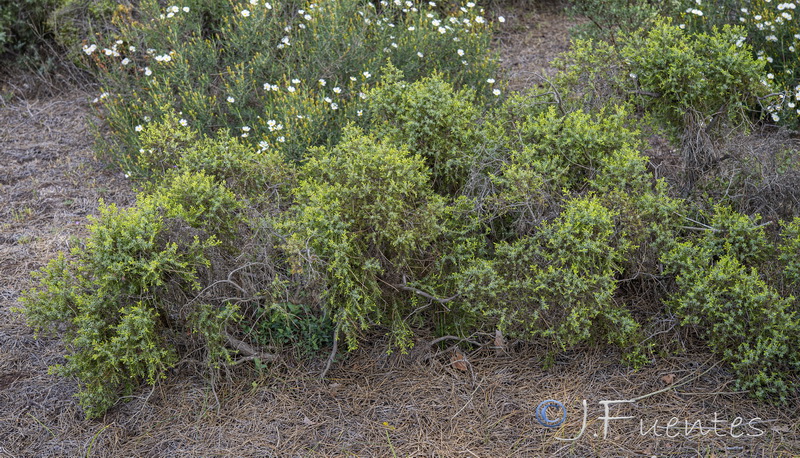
(278, 74)
(772, 29)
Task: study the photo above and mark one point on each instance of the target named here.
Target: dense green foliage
(772, 30)
(22, 23)
(745, 320)
(336, 170)
(365, 213)
(123, 295)
(284, 75)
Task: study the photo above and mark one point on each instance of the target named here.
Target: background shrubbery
(312, 172)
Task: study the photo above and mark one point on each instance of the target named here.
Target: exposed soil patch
(532, 36)
(370, 404)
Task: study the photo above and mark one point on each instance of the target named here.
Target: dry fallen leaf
(668, 379)
(459, 361)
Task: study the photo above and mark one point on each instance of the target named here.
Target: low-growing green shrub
(432, 119)
(23, 24)
(743, 319)
(789, 253)
(261, 176)
(364, 217)
(294, 324)
(558, 283)
(698, 86)
(123, 298)
(558, 156)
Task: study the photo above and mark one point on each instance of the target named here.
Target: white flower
(328, 100)
(125, 61)
(490, 81)
(147, 119)
(496, 92)
(307, 17)
(290, 89)
(501, 19)
(460, 52)
(352, 78)
(254, 2)
(230, 99)
(295, 81)
(337, 90)
(246, 13)
(138, 128)
(436, 22)
(442, 30)
(245, 128)
(170, 14)
(184, 122)
(89, 49)
(185, 9)
(268, 6)
(633, 75)
(470, 5)
(420, 55)
(770, 76)
(359, 112)
(775, 117)
(479, 20)
(412, 28)
(334, 106)
(174, 9)
(322, 82)
(367, 74)
(263, 144)
(132, 48)
(281, 139)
